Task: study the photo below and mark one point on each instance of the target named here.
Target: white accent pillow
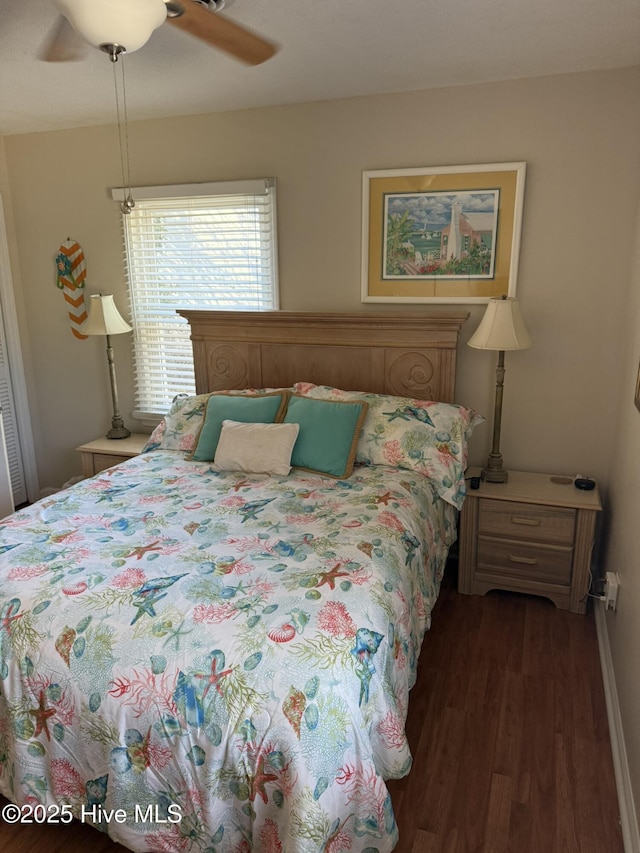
(255, 448)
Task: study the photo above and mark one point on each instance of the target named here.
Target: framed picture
(445, 234)
(637, 394)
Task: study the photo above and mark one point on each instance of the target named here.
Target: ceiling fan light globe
(129, 23)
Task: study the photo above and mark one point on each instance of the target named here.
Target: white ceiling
(328, 49)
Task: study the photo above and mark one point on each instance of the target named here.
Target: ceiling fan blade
(223, 33)
(62, 44)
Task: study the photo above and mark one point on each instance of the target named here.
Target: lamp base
(494, 472)
(118, 429)
(119, 433)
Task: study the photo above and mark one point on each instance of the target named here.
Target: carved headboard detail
(411, 355)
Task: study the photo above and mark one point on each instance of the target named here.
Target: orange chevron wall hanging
(71, 274)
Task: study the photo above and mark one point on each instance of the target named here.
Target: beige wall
(568, 401)
(623, 533)
(578, 134)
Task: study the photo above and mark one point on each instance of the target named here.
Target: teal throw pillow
(328, 435)
(262, 409)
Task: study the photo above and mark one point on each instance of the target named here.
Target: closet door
(11, 437)
(7, 505)
(16, 418)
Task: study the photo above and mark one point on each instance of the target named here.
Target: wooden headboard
(407, 355)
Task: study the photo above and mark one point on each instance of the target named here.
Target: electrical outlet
(611, 587)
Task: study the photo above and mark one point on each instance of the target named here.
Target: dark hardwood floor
(508, 728)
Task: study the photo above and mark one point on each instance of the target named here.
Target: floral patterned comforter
(202, 661)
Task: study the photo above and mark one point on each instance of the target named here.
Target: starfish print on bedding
(251, 509)
(175, 635)
(260, 780)
(41, 715)
(9, 614)
(214, 678)
(150, 593)
(405, 413)
(147, 605)
(139, 551)
(331, 576)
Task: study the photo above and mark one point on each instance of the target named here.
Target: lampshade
(502, 327)
(128, 23)
(104, 318)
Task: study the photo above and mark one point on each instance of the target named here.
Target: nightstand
(105, 452)
(534, 534)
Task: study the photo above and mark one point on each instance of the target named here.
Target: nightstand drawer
(102, 461)
(104, 453)
(527, 521)
(524, 560)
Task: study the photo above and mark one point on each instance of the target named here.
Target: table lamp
(104, 319)
(501, 328)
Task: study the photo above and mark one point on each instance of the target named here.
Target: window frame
(251, 187)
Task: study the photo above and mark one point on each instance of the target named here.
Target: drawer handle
(530, 522)
(528, 561)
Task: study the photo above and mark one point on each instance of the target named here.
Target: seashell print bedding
(209, 661)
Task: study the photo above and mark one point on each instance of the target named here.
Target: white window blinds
(203, 246)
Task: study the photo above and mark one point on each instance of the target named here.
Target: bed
(201, 659)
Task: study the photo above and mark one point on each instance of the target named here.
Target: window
(200, 246)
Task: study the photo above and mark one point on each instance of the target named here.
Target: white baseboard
(628, 817)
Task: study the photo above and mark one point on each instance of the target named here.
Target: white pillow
(255, 448)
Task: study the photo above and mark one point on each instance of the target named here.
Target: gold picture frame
(448, 234)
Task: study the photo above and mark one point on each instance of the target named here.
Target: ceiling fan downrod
(112, 50)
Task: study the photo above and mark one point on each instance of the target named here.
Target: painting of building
(440, 234)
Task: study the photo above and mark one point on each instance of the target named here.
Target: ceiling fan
(118, 26)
